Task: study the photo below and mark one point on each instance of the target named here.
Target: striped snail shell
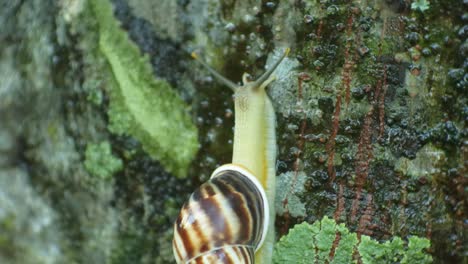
(224, 221)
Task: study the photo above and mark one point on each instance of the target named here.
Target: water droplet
(270, 5)
(318, 64)
(230, 27)
(295, 151)
(228, 113)
(205, 104)
(218, 121)
(308, 19)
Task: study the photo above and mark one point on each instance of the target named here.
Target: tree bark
(371, 111)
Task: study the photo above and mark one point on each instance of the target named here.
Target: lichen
(296, 247)
(29, 230)
(429, 161)
(287, 199)
(163, 16)
(327, 242)
(394, 250)
(46, 194)
(100, 162)
(346, 244)
(141, 105)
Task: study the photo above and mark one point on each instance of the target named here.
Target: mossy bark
(371, 108)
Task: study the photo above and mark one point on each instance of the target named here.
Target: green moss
(141, 105)
(367, 70)
(307, 243)
(100, 162)
(355, 111)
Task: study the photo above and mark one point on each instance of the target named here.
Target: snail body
(230, 218)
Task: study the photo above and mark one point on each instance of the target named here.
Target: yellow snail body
(230, 218)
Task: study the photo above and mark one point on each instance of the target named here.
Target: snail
(230, 218)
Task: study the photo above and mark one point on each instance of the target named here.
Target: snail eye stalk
(218, 76)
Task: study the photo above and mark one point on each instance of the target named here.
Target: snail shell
(224, 221)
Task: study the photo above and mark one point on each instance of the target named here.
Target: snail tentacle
(267, 74)
(220, 78)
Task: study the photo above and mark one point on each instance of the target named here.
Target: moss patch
(100, 162)
(141, 105)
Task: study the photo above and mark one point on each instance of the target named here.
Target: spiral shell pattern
(224, 221)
